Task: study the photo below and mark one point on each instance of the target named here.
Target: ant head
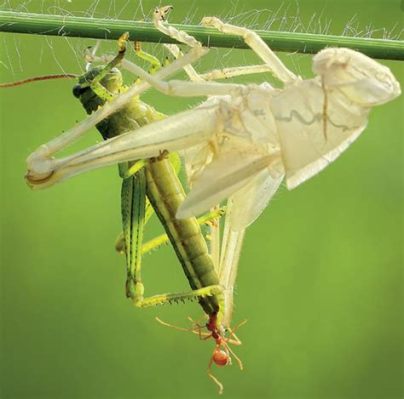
(360, 78)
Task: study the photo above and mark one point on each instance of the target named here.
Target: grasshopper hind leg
(169, 298)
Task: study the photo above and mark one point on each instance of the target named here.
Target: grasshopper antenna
(38, 78)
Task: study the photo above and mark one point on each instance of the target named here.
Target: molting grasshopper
(152, 184)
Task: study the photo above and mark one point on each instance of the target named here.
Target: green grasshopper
(156, 180)
(149, 185)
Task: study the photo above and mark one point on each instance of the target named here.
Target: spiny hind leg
(141, 302)
(133, 209)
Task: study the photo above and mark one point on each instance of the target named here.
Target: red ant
(222, 353)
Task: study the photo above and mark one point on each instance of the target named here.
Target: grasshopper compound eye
(78, 90)
(220, 357)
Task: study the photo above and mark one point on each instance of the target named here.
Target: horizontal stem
(63, 25)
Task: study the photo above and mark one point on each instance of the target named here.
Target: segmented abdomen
(165, 193)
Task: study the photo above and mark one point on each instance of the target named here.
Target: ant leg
(232, 332)
(215, 380)
(238, 360)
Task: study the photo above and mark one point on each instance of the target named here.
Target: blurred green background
(321, 272)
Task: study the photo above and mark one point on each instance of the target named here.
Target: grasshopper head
(88, 95)
(360, 78)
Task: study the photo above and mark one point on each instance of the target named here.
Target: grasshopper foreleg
(154, 62)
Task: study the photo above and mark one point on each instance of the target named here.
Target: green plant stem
(63, 25)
